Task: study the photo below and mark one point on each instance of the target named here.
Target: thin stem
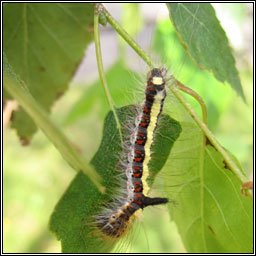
(196, 96)
(19, 92)
(101, 69)
(128, 39)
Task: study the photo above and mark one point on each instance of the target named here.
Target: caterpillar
(119, 213)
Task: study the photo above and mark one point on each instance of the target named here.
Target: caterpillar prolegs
(116, 215)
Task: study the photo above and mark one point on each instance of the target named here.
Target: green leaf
(205, 40)
(212, 216)
(44, 43)
(72, 218)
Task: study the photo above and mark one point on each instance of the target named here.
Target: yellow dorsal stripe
(155, 110)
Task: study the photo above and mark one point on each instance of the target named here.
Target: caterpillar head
(156, 76)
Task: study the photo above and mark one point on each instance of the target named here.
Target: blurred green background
(36, 176)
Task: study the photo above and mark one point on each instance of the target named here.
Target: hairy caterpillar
(117, 215)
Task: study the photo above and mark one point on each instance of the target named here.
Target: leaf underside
(205, 40)
(44, 43)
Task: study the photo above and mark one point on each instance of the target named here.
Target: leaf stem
(19, 92)
(209, 135)
(196, 96)
(98, 9)
(128, 39)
